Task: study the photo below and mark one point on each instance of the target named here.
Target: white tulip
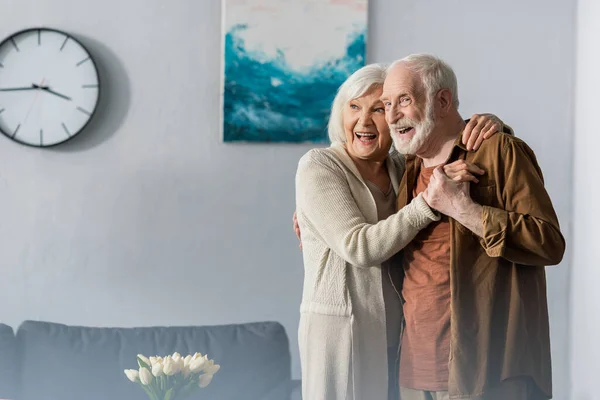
(178, 361)
(169, 366)
(145, 376)
(211, 367)
(186, 371)
(197, 356)
(186, 360)
(204, 380)
(197, 365)
(144, 359)
(157, 369)
(132, 374)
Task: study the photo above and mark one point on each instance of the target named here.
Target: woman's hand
(480, 127)
(297, 229)
(463, 171)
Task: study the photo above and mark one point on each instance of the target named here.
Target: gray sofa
(48, 361)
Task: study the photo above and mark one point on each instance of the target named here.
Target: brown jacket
(499, 310)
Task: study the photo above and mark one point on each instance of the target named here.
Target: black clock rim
(98, 99)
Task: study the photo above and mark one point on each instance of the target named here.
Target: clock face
(49, 87)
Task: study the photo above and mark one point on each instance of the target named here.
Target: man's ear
(444, 97)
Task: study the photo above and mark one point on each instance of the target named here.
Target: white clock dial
(49, 87)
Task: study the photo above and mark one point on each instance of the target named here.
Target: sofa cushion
(69, 362)
(9, 366)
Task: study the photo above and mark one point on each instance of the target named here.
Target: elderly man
(474, 287)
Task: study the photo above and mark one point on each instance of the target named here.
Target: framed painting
(283, 62)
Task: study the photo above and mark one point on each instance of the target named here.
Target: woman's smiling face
(367, 133)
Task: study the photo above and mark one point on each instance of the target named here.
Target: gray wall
(149, 201)
(585, 297)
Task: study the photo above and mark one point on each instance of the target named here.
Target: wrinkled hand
(297, 229)
(445, 195)
(463, 171)
(480, 127)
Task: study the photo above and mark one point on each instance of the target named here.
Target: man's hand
(480, 127)
(453, 199)
(297, 229)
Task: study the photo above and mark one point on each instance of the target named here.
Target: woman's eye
(354, 106)
(380, 110)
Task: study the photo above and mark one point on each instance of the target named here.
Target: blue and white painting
(283, 63)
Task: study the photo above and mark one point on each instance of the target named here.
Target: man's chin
(404, 146)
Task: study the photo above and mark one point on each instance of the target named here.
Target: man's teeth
(404, 130)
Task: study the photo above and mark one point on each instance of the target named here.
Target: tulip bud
(169, 366)
(145, 376)
(186, 360)
(179, 364)
(133, 375)
(204, 380)
(144, 359)
(197, 365)
(157, 369)
(211, 367)
(186, 371)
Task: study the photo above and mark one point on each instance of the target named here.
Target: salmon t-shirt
(425, 350)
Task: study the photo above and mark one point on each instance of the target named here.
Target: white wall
(585, 297)
(95, 232)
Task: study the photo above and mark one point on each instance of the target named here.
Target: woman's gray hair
(357, 84)
(434, 72)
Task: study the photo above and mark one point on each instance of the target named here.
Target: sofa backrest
(9, 363)
(60, 362)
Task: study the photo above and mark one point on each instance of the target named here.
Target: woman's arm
(326, 206)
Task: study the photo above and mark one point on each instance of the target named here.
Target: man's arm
(526, 231)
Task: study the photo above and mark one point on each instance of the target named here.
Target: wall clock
(49, 87)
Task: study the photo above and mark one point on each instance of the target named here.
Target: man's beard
(422, 133)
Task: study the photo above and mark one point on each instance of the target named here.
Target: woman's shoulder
(327, 157)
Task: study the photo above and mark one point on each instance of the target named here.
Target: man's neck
(437, 150)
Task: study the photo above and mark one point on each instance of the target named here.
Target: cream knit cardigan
(342, 333)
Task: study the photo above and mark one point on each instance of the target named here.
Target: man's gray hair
(357, 84)
(434, 72)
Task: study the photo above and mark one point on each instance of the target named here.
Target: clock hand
(47, 89)
(32, 87)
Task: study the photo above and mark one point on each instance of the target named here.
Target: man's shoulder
(498, 144)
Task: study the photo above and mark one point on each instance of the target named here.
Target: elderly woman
(351, 310)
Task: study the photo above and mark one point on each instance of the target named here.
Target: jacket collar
(457, 143)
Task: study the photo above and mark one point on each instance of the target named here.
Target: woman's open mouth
(366, 137)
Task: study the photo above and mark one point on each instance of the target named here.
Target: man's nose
(392, 115)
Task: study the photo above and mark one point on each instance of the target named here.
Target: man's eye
(405, 101)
